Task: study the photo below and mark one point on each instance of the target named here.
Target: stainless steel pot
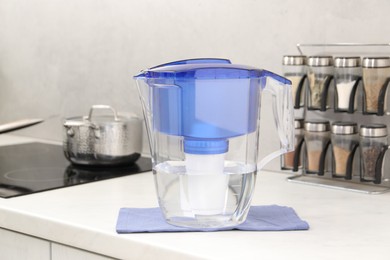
(102, 139)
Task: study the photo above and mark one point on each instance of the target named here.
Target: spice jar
(345, 141)
(292, 160)
(320, 75)
(347, 78)
(294, 69)
(373, 145)
(317, 140)
(376, 75)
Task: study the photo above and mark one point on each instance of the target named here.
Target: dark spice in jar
(373, 141)
(370, 157)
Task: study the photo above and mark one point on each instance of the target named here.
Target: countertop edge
(80, 237)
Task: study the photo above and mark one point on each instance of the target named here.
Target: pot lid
(98, 119)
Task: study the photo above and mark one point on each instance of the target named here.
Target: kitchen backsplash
(54, 67)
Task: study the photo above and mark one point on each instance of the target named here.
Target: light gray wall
(58, 57)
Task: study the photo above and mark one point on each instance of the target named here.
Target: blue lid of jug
(209, 68)
(194, 61)
(207, 101)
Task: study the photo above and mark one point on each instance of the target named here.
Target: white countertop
(343, 224)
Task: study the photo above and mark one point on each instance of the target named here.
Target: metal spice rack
(326, 180)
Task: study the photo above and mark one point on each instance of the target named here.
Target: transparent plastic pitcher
(202, 118)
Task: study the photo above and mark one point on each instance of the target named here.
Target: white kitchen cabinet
(61, 252)
(15, 246)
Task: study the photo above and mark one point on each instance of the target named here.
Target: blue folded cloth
(260, 218)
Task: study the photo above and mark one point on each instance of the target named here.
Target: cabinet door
(61, 252)
(15, 245)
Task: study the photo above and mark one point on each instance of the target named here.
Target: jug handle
(379, 165)
(283, 110)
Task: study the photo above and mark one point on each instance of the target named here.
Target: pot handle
(94, 107)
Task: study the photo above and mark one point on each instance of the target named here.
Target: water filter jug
(202, 117)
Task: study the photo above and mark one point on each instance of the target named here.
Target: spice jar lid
(320, 61)
(317, 125)
(294, 60)
(346, 62)
(298, 123)
(373, 130)
(344, 128)
(376, 62)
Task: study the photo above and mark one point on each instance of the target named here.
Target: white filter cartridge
(206, 184)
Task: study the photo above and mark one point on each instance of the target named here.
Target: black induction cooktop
(36, 167)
